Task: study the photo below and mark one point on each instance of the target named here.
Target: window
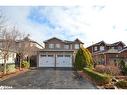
(95, 48)
(102, 48)
(112, 47)
(51, 45)
(66, 46)
(57, 45)
(76, 46)
(70, 46)
(119, 47)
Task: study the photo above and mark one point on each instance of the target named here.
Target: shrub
(99, 78)
(123, 67)
(83, 59)
(108, 69)
(25, 64)
(10, 68)
(121, 84)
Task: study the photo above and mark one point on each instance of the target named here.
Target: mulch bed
(9, 75)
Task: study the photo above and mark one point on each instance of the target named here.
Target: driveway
(47, 78)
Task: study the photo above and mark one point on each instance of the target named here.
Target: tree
(83, 59)
(123, 67)
(8, 40)
(25, 49)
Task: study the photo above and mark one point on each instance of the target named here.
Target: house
(10, 57)
(29, 48)
(58, 53)
(104, 53)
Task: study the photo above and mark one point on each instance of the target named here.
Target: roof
(113, 44)
(52, 38)
(56, 50)
(116, 43)
(64, 41)
(77, 40)
(108, 51)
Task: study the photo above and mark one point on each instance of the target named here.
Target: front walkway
(47, 78)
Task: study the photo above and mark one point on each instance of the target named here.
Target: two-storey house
(104, 53)
(58, 53)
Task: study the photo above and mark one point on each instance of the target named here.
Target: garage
(56, 59)
(46, 61)
(64, 61)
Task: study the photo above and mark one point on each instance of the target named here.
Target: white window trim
(57, 45)
(102, 48)
(95, 48)
(66, 46)
(51, 45)
(77, 46)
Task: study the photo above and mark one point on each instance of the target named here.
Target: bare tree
(26, 48)
(8, 43)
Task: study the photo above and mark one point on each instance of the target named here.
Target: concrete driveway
(47, 78)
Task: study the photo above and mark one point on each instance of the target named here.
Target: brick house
(104, 53)
(58, 53)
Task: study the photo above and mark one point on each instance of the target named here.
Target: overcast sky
(92, 22)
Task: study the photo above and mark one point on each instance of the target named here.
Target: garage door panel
(64, 61)
(47, 61)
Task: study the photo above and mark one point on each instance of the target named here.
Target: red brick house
(104, 53)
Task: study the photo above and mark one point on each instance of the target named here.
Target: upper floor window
(102, 48)
(119, 47)
(112, 48)
(51, 45)
(57, 45)
(76, 46)
(66, 46)
(95, 48)
(70, 46)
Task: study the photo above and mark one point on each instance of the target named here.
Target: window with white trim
(76, 46)
(66, 46)
(51, 45)
(95, 48)
(57, 45)
(102, 48)
(119, 47)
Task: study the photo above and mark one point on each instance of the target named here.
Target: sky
(92, 22)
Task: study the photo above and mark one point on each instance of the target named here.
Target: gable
(53, 40)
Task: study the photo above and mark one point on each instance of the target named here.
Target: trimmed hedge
(83, 59)
(121, 84)
(10, 68)
(99, 78)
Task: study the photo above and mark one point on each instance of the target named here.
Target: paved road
(47, 78)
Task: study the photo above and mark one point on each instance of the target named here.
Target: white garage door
(46, 61)
(64, 61)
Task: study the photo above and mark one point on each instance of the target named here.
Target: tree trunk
(20, 64)
(5, 66)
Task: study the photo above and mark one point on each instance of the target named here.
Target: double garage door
(55, 60)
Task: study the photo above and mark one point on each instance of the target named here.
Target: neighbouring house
(29, 48)
(58, 53)
(10, 58)
(104, 53)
